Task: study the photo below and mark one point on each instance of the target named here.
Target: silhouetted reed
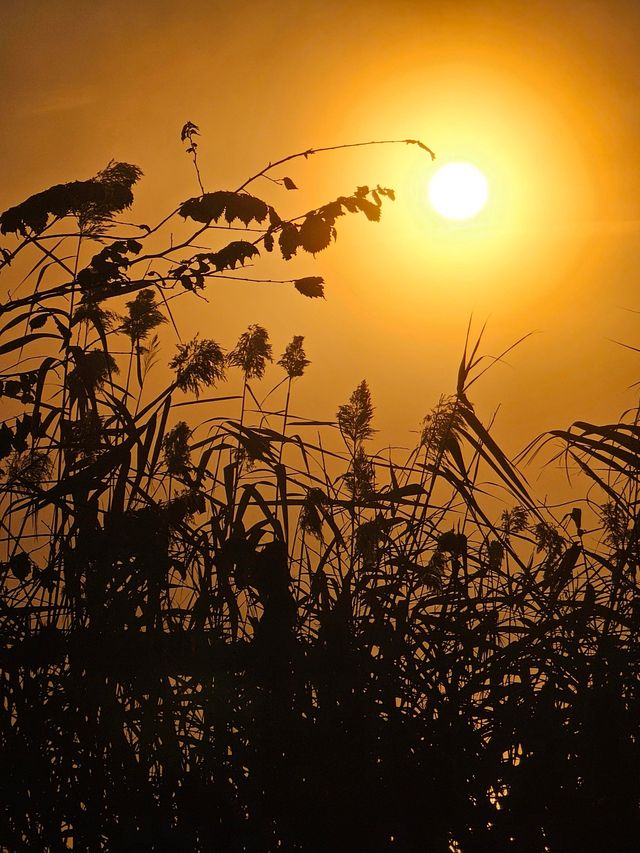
(227, 633)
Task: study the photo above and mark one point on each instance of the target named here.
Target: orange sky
(543, 96)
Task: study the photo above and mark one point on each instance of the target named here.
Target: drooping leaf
(421, 145)
(311, 286)
(558, 576)
(211, 206)
(206, 208)
(315, 233)
(28, 426)
(289, 240)
(246, 208)
(238, 252)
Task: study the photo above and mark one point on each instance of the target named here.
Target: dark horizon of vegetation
(221, 632)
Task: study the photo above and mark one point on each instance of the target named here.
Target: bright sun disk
(458, 191)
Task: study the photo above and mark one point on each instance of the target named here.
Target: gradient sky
(545, 97)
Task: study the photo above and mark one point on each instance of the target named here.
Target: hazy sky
(543, 96)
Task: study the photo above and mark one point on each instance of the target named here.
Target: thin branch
(306, 154)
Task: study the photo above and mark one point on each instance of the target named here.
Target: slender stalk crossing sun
(458, 191)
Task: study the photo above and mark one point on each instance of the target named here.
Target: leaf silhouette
(315, 233)
(289, 240)
(20, 342)
(38, 321)
(274, 218)
(311, 286)
(230, 256)
(246, 208)
(6, 441)
(421, 145)
(206, 208)
(289, 184)
(370, 210)
(211, 206)
(188, 130)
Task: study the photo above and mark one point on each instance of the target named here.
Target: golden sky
(544, 97)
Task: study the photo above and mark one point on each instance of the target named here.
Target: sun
(458, 191)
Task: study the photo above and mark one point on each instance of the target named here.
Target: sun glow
(458, 191)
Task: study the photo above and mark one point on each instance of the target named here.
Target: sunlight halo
(458, 191)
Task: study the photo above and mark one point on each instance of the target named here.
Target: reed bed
(228, 628)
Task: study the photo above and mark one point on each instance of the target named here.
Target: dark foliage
(211, 206)
(230, 635)
(100, 197)
(311, 286)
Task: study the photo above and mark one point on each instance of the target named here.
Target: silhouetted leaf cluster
(233, 205)
(192, 275)
(108, 265)
(317, 229)
(108, 193)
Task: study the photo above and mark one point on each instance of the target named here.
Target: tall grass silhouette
(223, 630)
